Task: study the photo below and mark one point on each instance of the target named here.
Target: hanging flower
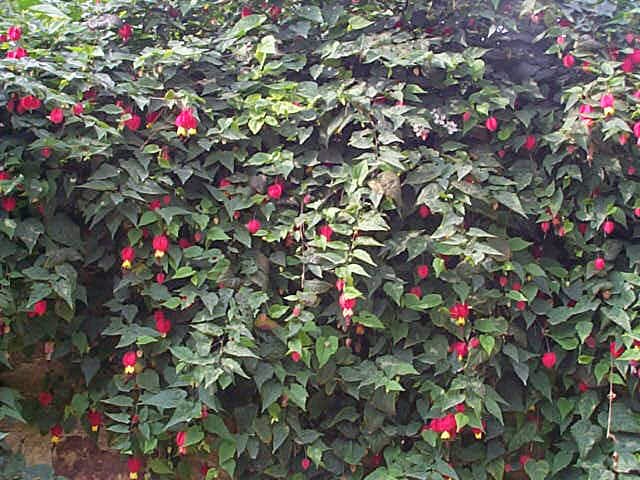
(29, 103)
(45, 399)
(125, 32)
(325, 231)
(8, 204)
(446, 426)
(606, 103)
(187, 124)
(133, 123)
(163, 324)
(17, 54)
(274, 191)
(129, 360)
(491, 123)
(459, 313)
(180, 439)
(134, 465)
(56, 433)
(56, 116)
(160, 245)
(460, 348)
(253, 226)
(95, 419)
(127, 254)
(39, 309)
(14, 33)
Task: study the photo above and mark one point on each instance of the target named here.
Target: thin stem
(611, 397)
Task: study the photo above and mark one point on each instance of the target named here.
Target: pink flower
(39, 309)
(422, 271)
(627, 64)
(245, 12)
(56, 116)
(274, 191)
(17, 54)
(599, 264)
(424, 211)
(295, 356)
(608, 226)
(491, 123)
(530, 142)
(325, 231)
(549, 359)
(460, 348)
(466, 116)
(305, 464)
(186, 123)
(78, 109)
(14, 33)
(585, 110)
(459, 313)
(615, 352)
(568, 61)
(125, 32)
(417, 291)
(253, 226)
(8, 204)
(607, 104)
(163, 324)
(133, 123)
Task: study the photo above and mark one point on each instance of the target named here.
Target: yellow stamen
(133, 475)
(182, 132)
(445, 435)
(94, 428)
(130, 369)
(159, 254)
(608, 111)
(478, 435)
(126, 264)
(460, 321)
(55, 439)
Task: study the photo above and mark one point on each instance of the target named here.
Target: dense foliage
(327, 239)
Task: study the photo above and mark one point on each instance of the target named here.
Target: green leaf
(325, 348)
(427, 302)
(298, 395)
(509, 200)
(368, 320)
(537, 469)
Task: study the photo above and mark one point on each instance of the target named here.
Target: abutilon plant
(283, 235)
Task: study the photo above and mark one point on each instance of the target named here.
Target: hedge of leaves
(327, 239)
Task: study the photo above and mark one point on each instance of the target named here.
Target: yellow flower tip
(163, 335)
(445, 435)
(182, 132)
(191, 131)
(460, 321)
(129, 370)
(608, 111)
(478, 435)
(94, 428)
(55, 439)
(159, 254)
(133, 475)
(126, 265)
(460, 357)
